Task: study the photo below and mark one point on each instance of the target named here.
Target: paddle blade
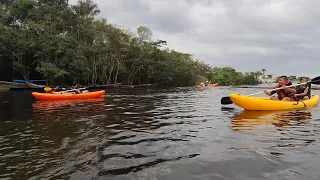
(226, 100)
(316, 80)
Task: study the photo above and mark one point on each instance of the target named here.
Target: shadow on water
(174, 133)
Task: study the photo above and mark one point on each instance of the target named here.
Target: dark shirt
(300, 89)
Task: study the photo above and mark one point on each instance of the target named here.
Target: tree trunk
(116, 75)
(94, 71)
(132, 77)
(105, 75)
(110, 75)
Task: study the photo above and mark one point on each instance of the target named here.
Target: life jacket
(282, 93)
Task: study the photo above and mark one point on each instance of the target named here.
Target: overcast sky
(281, 36)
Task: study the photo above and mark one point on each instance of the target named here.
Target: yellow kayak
(265, 104)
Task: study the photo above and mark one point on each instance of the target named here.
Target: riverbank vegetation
(228, 76)
(66, 43)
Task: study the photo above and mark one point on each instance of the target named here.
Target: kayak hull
(210, 85)
(265, 104)
(51, 97)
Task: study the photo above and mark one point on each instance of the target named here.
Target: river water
(151, 134)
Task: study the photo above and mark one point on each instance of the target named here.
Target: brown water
(179, 134)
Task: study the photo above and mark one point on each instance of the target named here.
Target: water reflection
(71, 108)
(277, 128)
(144, 132)
(15, 106)
(180, 133)
(251, 120)
(59, 132)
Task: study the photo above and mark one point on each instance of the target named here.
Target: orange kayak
(49, 97)
(210, 85)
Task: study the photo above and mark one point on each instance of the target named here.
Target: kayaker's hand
(284, 86)
(267, 92)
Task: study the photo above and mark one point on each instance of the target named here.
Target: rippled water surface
(180, 134)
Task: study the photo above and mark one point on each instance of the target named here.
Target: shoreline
(6, 85)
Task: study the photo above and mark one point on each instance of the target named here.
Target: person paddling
(285, 94)
(303, 91)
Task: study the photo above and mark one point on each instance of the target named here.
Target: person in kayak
(206, 83)
(285, 94)
(76, 87)
(303, 91)
(202, 84)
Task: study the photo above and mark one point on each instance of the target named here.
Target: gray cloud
(162, 16)
(281, 36)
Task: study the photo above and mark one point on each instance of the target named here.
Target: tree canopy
(61, 42)
(229, 76)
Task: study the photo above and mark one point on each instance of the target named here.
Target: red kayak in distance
(209, 85)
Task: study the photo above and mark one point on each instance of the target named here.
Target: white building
(269, 78)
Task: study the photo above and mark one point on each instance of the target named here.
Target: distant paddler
(207, 83)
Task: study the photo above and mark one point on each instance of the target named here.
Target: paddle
(226, 100)
(60, 92)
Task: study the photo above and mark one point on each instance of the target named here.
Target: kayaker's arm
(305, 92)
(293, 91)
(270, 93)
(267, 92)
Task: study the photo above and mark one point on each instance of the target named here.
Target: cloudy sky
(281, 36)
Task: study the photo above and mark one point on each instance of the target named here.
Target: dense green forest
(229, 76)
(57, 41)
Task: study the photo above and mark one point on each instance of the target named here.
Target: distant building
(269, 78)
(293, 78)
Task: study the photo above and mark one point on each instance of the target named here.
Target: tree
(67, 43)
(229, 76)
